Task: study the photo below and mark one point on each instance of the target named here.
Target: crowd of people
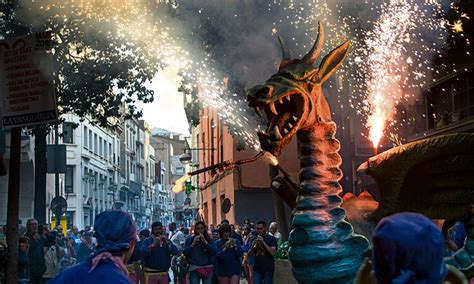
(216, 254)
(407, 248)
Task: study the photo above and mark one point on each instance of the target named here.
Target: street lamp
(187, 157)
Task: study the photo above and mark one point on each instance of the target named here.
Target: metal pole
(13, 211)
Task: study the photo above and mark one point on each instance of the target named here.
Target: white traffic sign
(26, 81)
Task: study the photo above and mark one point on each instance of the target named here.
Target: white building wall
(93, 156)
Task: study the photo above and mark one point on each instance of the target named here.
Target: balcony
(135, 187)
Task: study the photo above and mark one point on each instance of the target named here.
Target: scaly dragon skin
(323, 246)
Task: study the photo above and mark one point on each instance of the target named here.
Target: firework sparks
(392, 74)
(390, 58)
(456, 27)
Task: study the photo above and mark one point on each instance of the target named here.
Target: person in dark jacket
(115, 232)
(86, 248)
(136, 256)
(229, 252)
(36, 251)
(157, 252)
(263, 248)
(23, 261)
(200, 250)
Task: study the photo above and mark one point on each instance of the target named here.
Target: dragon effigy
(433, 176)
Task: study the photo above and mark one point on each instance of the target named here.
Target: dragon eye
(265, 91)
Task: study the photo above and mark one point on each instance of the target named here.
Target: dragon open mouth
(283, 118)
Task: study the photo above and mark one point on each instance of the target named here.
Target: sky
(167, 110)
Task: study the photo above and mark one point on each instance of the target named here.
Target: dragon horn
(313, 54)
(285, 52)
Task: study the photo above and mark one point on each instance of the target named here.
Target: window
(105, 150)
(68, 132)
(222, 197)
(126, 136)
(214, 211)
(110, 153)
(69, 179)
(100, 147)
(90, 141)
(85, 136)
(96, 146)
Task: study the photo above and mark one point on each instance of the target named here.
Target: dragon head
(293, 99)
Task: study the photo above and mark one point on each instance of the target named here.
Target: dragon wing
(433, 176)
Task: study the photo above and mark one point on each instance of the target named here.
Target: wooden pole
(13, 211)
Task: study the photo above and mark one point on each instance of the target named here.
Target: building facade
(92, 171)
(168, 148)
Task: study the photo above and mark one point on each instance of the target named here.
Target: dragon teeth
(294, 118)
(285, 131)
(258, 110)
(276, 135)
(289, 125)
(288, 98)
(272, 108)
(280, 100)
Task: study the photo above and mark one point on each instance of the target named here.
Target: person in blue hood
(227, 261)
(157, 251)
(407, 248)
(115, 232)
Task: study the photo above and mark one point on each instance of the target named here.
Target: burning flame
(178, 185)
(376, 121)
(271, 159)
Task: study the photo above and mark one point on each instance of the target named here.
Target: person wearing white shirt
(178, 239)
(273, 230)
(176, 236)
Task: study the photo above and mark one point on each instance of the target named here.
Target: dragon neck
(320, 234)
(318, 151)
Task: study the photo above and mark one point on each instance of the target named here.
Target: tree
(99, 61)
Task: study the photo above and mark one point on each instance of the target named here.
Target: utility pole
(13, 210)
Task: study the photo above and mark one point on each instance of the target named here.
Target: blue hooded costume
(114, 231)
(408, 248)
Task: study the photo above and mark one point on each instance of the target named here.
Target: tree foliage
(97, 60)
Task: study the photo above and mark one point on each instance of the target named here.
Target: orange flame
(376, 120)
(271, 159)
(178, 185)
(376, 130)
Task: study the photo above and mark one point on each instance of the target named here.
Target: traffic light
(188, 187)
